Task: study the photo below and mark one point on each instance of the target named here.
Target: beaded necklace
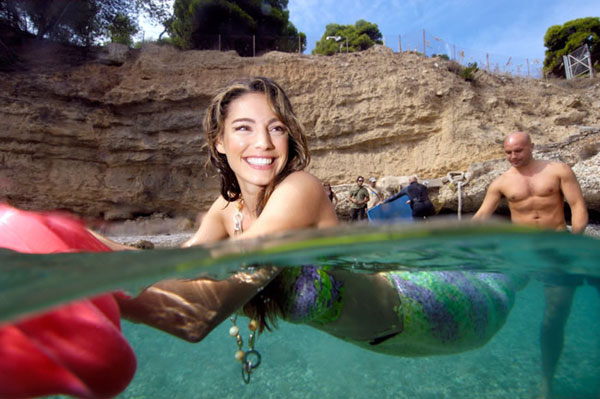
(251, 358)
(238, 218)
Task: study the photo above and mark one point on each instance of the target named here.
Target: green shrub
(468, 72)
(563, 39)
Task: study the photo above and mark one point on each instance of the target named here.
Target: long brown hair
(265, 307)
(214, 125)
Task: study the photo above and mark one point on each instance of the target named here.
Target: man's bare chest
(520, 188)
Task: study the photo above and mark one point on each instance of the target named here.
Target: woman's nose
(263, 139)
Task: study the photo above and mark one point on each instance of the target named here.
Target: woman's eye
(241, 128)
(278, 129)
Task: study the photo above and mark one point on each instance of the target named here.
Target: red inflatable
(77, 349)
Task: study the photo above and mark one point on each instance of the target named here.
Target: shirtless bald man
(535, 191)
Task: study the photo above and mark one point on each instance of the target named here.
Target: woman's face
(254, 141)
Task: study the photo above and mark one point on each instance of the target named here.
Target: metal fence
(420, 41)
(578, 63)
(430, 45)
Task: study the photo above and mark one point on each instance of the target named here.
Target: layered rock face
(119, 135)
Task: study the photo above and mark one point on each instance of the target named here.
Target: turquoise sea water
(300, 362)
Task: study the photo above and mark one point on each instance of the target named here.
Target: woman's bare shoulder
(304, 180)
(311, 198)
(299, 201)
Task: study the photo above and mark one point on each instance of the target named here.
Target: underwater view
(299, 361)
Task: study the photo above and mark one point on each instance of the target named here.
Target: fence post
(527, 59)
(424, 49)
(299, 45)
(589, 59)
(487, 61)
(253, 46)
(567, 67)
(399, 44)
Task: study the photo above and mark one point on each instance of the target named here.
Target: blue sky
(512, 28)
(508, 28)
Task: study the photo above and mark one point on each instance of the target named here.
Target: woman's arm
(191, 309)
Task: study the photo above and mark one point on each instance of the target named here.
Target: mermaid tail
(77, 349)
(445, 312)
(420, 313)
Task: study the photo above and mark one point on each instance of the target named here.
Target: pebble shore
(174, 240)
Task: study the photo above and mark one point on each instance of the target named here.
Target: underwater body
(299, 361)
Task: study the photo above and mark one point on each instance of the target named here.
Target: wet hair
(214, 126)
(265, 307)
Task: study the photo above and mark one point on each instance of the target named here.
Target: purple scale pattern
(303, 305)
(479, 305)
(442, 324)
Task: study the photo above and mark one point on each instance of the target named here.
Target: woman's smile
(259, 161)
(254, 141)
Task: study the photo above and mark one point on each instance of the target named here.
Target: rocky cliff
(116, 133)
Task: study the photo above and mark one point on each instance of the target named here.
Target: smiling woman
(259, 150)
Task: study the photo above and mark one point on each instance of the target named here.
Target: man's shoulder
(558, 165)
(552, 163)
(540, 169)
(548, 168)
(505, 179)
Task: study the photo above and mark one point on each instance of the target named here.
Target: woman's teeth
(260, 161)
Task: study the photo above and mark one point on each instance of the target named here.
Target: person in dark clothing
(418, 198)
(332, 197)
